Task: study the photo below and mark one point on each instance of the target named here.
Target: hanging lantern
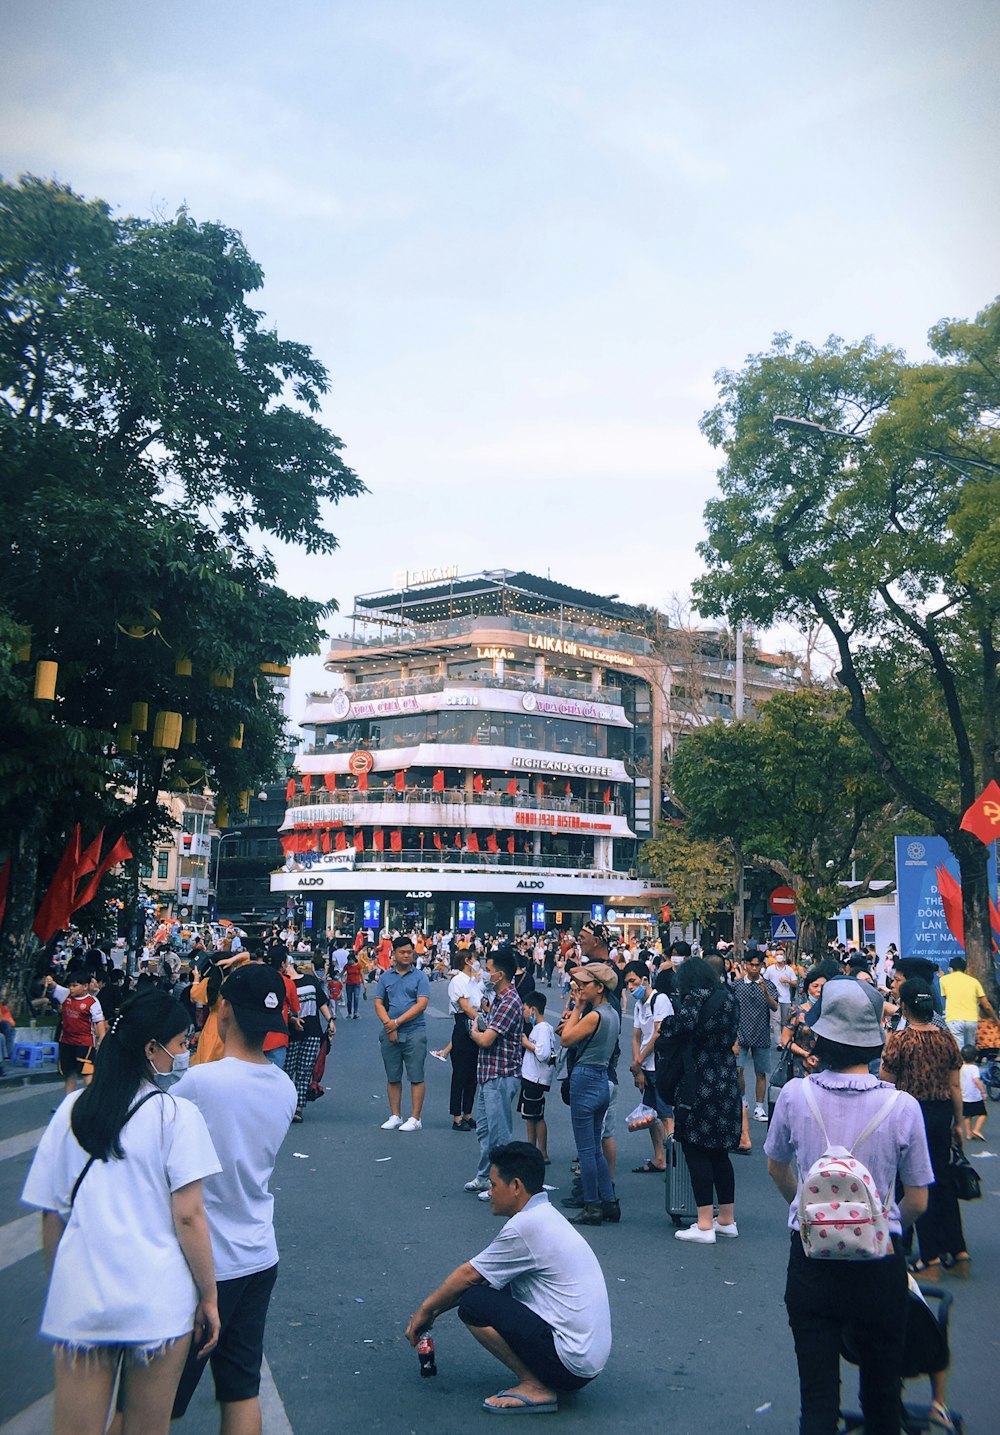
(189, 732)
(245, 801)
(222, 813)
(183, 667)
(23, 652)
(46, 673)
(140, 717)
(167, 731)
(237, 738)
(276, 670)
(221, 678)
(124, 741)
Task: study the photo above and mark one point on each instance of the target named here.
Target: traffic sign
(782, 901)
(784, 929)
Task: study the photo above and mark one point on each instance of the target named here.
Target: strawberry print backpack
(841, 1215)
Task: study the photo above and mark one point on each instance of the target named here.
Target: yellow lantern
(167, 731)
(222, 814)
(276, 670)
(237, 738)
(123, 738)
(189, 732)
(140, 717)
(23, 653)
(245, 801)
(45, 681)
(182, 667)
(221, 678)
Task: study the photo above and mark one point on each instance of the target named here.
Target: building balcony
(390, 803)
(415, 859)
(485, 678)
(413, 635)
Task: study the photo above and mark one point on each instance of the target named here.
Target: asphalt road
(370, 1221)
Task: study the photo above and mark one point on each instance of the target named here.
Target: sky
(524, 235)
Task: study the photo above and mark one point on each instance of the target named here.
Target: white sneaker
(730, 1230)
(484, 1195)
(439, 1056)
(694, 1233)
(477, 1185)
(759, 1112)
(412, 1124)
(392, 1124)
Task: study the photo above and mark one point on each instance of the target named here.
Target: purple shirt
(848, 1103)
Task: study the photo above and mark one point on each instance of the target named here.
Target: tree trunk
(973, 866)
(18, 945)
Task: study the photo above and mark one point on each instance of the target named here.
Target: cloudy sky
(524, 234)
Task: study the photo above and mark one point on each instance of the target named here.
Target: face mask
(477, 968)
(641, 993)
(180, 1061)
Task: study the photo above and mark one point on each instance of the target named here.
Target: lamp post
(218, 857)
(958, 461)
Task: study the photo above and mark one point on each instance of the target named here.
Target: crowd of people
(193, 1071)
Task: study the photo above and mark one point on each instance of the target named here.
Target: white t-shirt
(968, 1076)
(783, 981)
(552, 1270)
(655, 1008)
(248, 1109)
(462, 985)
(535, 1064)
(120, 1275)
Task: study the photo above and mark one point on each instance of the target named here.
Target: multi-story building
(178, 874)
(491, 756)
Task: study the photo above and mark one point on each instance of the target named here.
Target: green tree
(153, 434)
(699, 873)
(885, 538)
(796, 791)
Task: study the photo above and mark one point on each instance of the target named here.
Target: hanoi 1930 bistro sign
(559, 822)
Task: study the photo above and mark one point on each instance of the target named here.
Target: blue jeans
(588, 1101)
(495, 1117)
(276, 1056)
(353, 995)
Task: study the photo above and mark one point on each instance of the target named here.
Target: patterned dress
(714, 1119)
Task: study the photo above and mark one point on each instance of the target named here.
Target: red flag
(362, 782)
(510, 844)
(477, 782)
(473, 842)
(307, 784)
(437, 840)
(607, 795)
(568, 789)
(399, 781)
(341, 841)
(54, 913)
(378, 840)
(512, 787)
(491, 843)
(290, 790)
(324, 841)
(437, 782)
(288, 843)
(330, 781)
(951, 901)
(4, 886)
(120, 852)
(396, 841)
(88, 863)
(359, 841)
(982, 819)
(458, 840)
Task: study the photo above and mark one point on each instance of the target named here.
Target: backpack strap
(872, 1126)
(79, 1180)
(814, 1108)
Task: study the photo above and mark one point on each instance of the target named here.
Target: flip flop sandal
(647, 1169)
(525, 1407)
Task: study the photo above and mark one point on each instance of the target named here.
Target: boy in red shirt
(83, 1024)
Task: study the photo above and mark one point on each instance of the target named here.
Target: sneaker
(412, 1124)
(476, 1185)
(694, 1233)
(392, 1124)
(759, 1112)
(439, 1056)
(484, 1196)
(731, 1230)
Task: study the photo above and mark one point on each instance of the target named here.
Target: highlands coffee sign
(574, 766)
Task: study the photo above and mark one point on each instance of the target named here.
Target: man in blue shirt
(401, 998)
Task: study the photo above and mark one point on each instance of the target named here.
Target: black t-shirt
(312, 996)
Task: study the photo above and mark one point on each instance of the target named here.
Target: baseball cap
(256, 994)
(601, 931)
(601, 972)
(846, 1013)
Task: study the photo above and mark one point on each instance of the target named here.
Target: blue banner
(928, 890)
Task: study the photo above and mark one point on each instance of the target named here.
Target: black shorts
(71, 1058)
(236, 1359)
(531, 1102)
(525, 1332)
(973, 1108)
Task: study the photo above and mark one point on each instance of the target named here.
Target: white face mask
(180, 1061)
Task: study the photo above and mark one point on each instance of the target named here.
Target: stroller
(926, 1354)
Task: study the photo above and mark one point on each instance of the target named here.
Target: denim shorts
(408, 1051)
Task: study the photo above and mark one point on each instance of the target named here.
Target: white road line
(39, 1088)
(36, 1420)
(17, 1145)
(20, 1238)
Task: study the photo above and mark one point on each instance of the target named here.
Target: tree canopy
(885, 530)
(153, 433)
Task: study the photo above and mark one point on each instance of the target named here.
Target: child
(973, 1096)
(536, 1072)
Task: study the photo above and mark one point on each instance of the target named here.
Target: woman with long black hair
(117, 1177)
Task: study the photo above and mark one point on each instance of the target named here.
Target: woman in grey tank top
(592, 1028)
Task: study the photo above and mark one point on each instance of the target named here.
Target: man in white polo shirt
(535, 1297)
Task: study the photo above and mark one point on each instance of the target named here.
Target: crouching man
(535, 1297)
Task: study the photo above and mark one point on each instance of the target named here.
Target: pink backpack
(841, 1215)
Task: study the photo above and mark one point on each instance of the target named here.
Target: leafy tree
(699, 873)
(796, 791)
(153, 433)
(888, 539)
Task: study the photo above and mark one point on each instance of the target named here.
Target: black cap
(256, 993)
(917, 967)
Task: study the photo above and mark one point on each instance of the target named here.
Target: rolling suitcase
(680, 1197)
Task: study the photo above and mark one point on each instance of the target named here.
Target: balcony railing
(458, 796)
(611, 639)
(433, 861)
(484, 678)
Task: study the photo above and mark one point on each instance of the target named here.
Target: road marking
(22, 1093)
(17, 1145)
(20, 1238)
(36, 1420)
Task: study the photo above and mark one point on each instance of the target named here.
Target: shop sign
(534, 886)
(559, 822)
(416, 577)
(461, 700)
(566, 707)
(360, 762)
(543, 643)
(381, 707)
(325, 812)
(492, 651)
(420, 896)
(574, 766)
(330, 861)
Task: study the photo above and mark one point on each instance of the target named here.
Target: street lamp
(218, 857)
(958, 461)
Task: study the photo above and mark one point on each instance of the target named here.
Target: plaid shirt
(503, 1058)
